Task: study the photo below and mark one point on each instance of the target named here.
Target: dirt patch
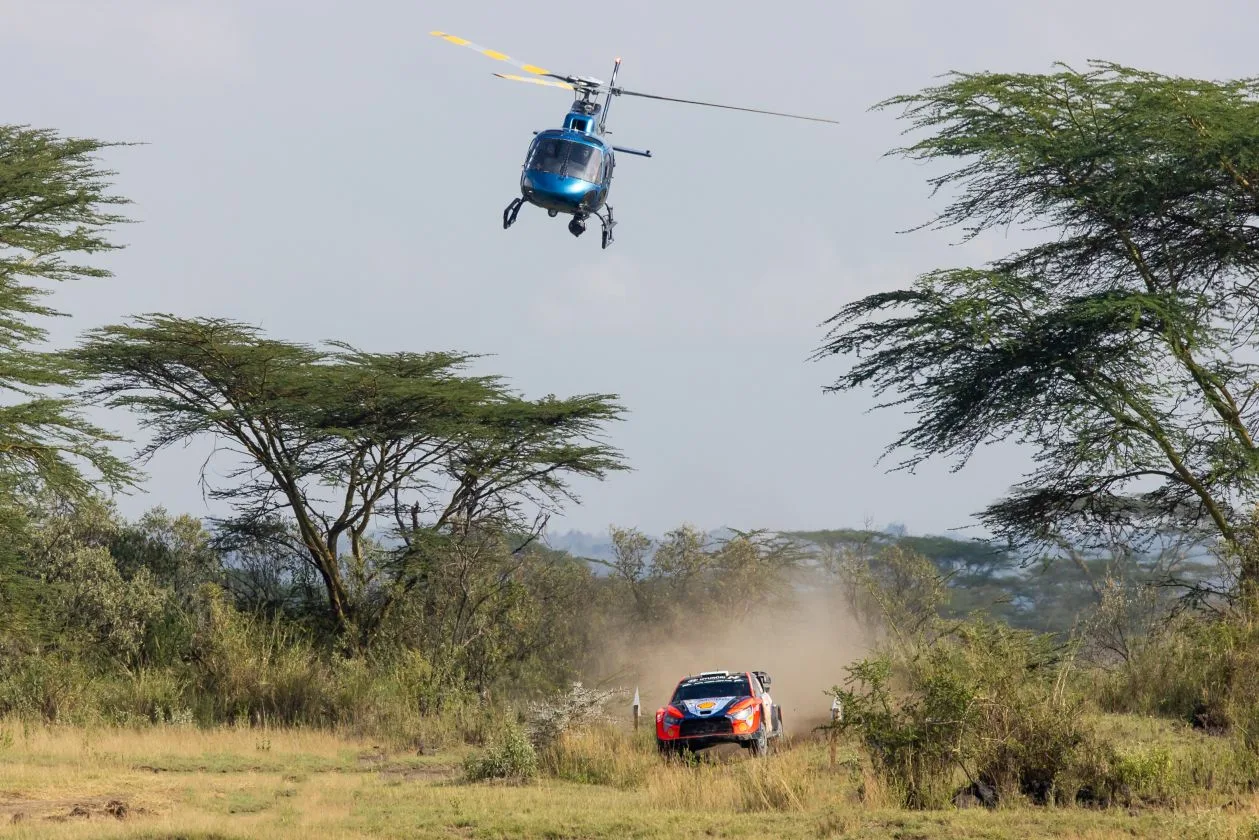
(18, 809)
(428, 773)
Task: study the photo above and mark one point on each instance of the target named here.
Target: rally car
(720, 707)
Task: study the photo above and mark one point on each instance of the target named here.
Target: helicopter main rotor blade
(624, 92)
(535, 81)
(495, 54)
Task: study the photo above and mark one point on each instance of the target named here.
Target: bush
(576, 708)
(983, 704)
(510, 756)
(49, 688)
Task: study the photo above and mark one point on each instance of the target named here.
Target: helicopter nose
(555, 191)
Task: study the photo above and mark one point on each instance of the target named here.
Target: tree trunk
(339, 608)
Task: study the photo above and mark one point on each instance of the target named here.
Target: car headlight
(745, 713)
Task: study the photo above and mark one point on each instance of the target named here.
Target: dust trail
(803, 647)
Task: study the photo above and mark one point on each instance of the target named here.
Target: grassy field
(163, 784)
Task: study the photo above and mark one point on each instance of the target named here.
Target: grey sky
(329, 170)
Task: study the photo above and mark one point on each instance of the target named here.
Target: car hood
(706, 706)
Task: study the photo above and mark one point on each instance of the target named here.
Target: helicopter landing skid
(608, 224)
(513, 210)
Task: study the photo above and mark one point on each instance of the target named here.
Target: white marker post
(636, 710)
(837, 714)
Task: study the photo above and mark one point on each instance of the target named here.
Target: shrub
(510, 756)
(576, 708)
(983, 704)
(51, 688)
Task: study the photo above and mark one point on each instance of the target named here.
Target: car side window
(756, 685)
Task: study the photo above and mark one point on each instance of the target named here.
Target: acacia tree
(331, 442)
(55, 202)
(1122, 347)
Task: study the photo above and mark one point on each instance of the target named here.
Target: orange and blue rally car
(720, 707)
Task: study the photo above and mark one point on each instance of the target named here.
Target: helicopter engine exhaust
(577, 226)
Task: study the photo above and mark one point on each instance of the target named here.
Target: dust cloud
(803, 647)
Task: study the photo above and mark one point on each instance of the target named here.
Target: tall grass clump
(508, 756)
(251, 669)
(1201, 670)
(601, 755)
(788, 781)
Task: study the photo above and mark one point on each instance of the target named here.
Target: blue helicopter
(569, 170)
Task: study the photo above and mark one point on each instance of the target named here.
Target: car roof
(713, 676)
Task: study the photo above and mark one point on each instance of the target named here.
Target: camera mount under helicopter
(577, 226)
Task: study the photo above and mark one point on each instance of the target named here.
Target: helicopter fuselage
(567, 171)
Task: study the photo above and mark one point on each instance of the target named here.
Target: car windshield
(566, 158)
(712, 687)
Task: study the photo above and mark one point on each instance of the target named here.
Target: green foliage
(54, 204)
(114, 614)
(1117, 348)
(509, 756)
(54, 201)
(176, 550)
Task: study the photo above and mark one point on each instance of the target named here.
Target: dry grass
(168, 783)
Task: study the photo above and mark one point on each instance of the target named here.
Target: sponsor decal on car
(706, 706)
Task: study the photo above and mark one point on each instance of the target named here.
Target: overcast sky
(330, 171)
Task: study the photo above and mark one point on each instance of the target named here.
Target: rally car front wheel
(760, 745)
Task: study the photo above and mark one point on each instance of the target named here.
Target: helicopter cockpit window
(566, 158)
(583, 162)
(548, 156)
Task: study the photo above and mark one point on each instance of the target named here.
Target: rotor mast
(607, 102)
